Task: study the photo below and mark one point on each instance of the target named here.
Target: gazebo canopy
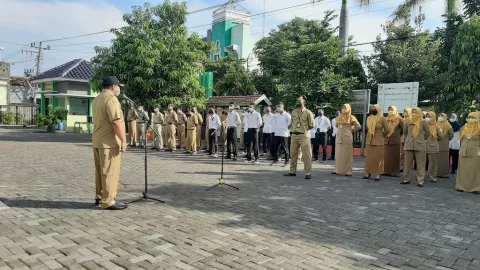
(241, 101)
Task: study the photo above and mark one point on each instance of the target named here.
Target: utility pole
(264, 11)
(39, 59)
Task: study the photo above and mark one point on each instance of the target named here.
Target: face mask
(250, 109)
(453, 120)
(440, 119)
(405, 113)
(156, 110)
(428, 119)
(118, 93)
(391, 112)
(170, 109)
(231, 108)
(140, 109)
(298, 104)
(320, 114)
(374, 112)
(472, 121)
(344, 110)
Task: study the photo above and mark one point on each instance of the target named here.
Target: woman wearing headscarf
(443, 155)
(455, 142)
(407, 115)
(416, 133)
(433, 146)
(346, 124)
(377, 128)
(392, 142)
(468, 178)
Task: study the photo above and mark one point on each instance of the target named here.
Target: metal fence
(19, 114)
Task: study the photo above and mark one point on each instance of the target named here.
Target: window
(216, 57)
(79, 106)
(217, 45)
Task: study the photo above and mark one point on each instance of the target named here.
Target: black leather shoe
(97, 202)
(117, 206)
(290, 174)
(308, 177)
(476, 192)
(419, 185)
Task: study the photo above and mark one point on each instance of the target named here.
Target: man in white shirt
(233, 121)
(282, 121)
(319, 138)
(213, 125)
(267, 130)
(334, 135)
(254, 122)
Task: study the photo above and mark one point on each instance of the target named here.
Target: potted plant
(60, 114)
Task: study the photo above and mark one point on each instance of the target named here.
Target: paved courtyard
(47, 218)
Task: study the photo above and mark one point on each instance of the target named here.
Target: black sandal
(377, 178)
(367, 176)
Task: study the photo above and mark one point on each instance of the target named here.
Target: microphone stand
(145, 196)
(221, 181)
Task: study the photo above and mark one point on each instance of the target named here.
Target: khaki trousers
(207, 143)
(164, 135)
(198, 142)
(432, 165)
(132, 132)
(301, 142)
(141, 131)
(181, 135)
(191, 145)
(242, 139)
(107, 174)
(171, 143)
(420, 158)
(158, 140)
(402, 156)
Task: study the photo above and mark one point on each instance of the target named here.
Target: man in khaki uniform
(192, 124)
(171, 119)
(164, 129)
(302, 123)
(142, 126)
(132, 127)
(198, 129)
(157, 119)
(108, 141)
(182, 121)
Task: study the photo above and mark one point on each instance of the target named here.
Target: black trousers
(332, 156)
(212, 139)
(231, 141)
(245, 140)
(252, 141)
(267, 142)
(320, 141)
(454, 155)
(272, 143)
(281, 144)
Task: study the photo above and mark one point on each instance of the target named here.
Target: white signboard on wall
(401, 95)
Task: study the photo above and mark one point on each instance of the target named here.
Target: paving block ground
(48, 221)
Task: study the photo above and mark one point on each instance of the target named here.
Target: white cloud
(26, 21)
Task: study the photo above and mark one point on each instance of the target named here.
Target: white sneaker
(215, 156)
(255, 162)
(247, 161)
(194, 153)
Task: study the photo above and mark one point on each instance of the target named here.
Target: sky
(23, 22)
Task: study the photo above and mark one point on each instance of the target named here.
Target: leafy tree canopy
(230, 77)
(155, 57)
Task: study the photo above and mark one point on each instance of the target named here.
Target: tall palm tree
(451, 6)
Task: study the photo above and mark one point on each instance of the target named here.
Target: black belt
(157, 123)
(231, 127)
(298, 133)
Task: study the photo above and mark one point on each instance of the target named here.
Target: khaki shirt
(432, 144)
(345, 131)
(302, 121)
(182, 118)
(171, 118)
(106, 109)
(158, 118)
(132, 115)
(192, 122)
(420, 142)
(381, 130)
(444, 143)
(470, 146)
(397, 135)
(199, 118)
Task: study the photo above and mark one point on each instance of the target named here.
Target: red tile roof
(18, 81)
(239, 100)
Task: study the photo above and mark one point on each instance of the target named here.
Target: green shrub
(41, 120)
(8, 118)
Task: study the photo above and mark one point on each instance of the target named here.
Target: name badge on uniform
(298, 125)
(469, 137)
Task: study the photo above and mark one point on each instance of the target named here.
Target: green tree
(302, 58)
(471, 7)
(407, 55)
(462, 82)
(155, 57)
(230, 77)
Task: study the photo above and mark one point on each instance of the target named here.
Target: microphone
(127, 98)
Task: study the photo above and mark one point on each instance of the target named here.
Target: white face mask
(428, 119)
(440, 119)
(452, 120)
(156, 110)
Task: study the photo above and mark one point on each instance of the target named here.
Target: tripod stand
(145, 196)
(221, 181)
